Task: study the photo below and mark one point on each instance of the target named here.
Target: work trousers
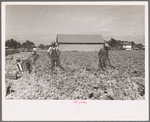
(56, 62)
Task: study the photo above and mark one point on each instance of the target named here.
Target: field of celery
(81, 79)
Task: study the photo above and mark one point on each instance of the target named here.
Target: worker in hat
(34, 50)
(34, 55)
(54, 54)
(103, 56)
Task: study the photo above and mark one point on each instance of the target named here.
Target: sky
(41, 23)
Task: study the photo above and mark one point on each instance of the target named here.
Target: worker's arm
(48, 51)
(100, 53)
(58, 52)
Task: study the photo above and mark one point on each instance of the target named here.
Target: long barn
(75, 42)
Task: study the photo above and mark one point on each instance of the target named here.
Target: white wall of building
(69, 47)
(127, 47)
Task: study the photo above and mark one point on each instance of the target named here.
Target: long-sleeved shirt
(102, 52)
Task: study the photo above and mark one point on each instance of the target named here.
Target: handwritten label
(75, 101)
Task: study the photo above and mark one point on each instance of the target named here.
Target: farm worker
(54, 54)
(34, 50)
(103, 56)
(34, 56)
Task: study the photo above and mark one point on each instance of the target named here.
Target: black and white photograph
(75, 52)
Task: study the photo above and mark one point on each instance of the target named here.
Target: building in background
(143, 48)
(78, 42)
(127, 46)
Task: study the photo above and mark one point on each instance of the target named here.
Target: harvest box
(11, 75)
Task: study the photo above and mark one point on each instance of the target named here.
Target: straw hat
(53, 42)
(106, 45)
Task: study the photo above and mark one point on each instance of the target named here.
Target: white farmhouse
(127, 46)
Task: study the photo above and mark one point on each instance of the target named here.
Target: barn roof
(79, 39)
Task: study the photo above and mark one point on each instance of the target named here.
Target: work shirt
(102, 52)
(34, 49)
(54, 52)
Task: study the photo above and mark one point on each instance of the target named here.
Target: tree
(28, 44)
(112, 42)
(41, 46)
(47, 46)
(140, 46)
(132, 44)
(12, 44)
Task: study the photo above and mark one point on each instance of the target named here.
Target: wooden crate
(11, 75)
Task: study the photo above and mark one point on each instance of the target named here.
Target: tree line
(11, 43)
(118, 44)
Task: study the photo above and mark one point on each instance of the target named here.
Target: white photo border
(98, 110)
